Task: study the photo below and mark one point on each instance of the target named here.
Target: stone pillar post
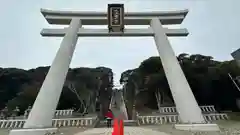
(184, 99)
(46, 102)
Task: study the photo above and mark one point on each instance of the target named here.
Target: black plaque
(116, 17)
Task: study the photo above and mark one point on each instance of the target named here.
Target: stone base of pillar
(197, 127)
(42, 131)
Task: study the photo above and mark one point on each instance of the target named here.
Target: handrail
(175, 118)
(72, 122)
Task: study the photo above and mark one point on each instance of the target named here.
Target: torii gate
(40, 117)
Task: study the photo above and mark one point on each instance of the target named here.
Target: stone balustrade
(214, 117)
(73, 122)
(68, 122)
(205, 109)
(143, 120)
(208, 108)
(64, 112)
(12, 123)
(67, 112)
(168, 110)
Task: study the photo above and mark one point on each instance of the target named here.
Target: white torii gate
(40, 117)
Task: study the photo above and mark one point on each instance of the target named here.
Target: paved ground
(62, 131)
(102, 131)
(227, 128)
(71, 131)
(3, 132)
(127, 131)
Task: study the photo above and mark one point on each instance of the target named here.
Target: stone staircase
(127, 131)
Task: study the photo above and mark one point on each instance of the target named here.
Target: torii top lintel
(100, 18)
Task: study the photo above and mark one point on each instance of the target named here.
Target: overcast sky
(213, 26)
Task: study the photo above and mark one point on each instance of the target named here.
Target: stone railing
(208, 108)
(12, 123)
(168, 110)
(58, 113)
(175, 118)
(205, 109)
(158, 119)
(74, 122)
(214, 117)
(68, 122)
(63, 112)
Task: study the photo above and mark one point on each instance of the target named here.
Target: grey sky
(213, 26)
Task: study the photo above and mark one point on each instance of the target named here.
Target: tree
(207, 78)
(25, 98)
(20, 87)
(11, 81)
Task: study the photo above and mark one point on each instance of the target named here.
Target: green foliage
(208, 79)
(150, 66)
(20, 87)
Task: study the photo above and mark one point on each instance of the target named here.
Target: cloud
(22, 46)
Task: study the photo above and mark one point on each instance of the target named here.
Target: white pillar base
(197, 127)
(32, 131)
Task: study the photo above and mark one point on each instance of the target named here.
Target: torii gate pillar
(40, 118)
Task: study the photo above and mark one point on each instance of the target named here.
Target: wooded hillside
(208, 79)
(147, 84)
